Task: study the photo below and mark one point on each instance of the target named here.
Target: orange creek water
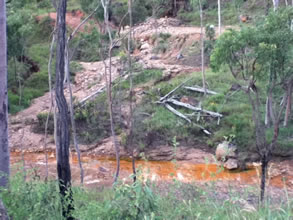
(100, 170)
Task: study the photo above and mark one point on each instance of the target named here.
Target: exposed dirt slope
(91, 79)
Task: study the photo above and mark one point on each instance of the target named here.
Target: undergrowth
(34, 199)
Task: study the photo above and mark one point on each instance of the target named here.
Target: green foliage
(117, 10)
(159, 7)
(35, 200)
(92, 121)
(20, 24)
(87, 45)
(32, 199)
(162, 44)
(41, 123)
(141, 77)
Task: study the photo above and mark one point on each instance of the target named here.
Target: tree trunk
(74, 133)
(63, 140)
(219, 16)
(174, 8)
(4, 148)
(202, 48)
(276, 4)
(264, 165)
(105, 4)
(3, 212)
(131, 89)
(289, 103)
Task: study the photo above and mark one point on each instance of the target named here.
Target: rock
(225, 150)
(145, 46)
(231, 164)
(189, 100)
(179, 56)
(154, 58)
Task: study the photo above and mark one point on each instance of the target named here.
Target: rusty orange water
(97, 169)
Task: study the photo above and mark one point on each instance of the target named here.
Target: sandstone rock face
(231, 164)
(145, 46)
(225, 150)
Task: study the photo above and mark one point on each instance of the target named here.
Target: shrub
(41, 123)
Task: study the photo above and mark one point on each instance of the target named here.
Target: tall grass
(35, 199)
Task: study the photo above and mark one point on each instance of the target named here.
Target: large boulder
(226, 150)
(231, 164)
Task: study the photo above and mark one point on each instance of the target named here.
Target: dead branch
(179, 114)
(83, 101)
(201, 90)
(172, 91)
(186, 105)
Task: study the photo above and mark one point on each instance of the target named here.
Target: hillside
(178, 122)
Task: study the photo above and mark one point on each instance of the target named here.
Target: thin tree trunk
(264, 165)
(175, 8)
(67, 76)
(289, 104)
(63, 140)
(202, 49)
(105, 4)
(4, 147)
(52, 104)
(67, 72)
(131, 89)
(219, 17)
(276, 4)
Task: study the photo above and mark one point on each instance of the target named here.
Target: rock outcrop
(226, 153)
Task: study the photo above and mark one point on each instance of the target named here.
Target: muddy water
(100, 170)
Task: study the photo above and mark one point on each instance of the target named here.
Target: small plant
(41, 123)
(230, 138)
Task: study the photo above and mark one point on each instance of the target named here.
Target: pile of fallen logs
(167, 100)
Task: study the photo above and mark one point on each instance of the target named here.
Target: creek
(99, 170)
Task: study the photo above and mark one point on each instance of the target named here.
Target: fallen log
(179, 114)
(83, 101)
(199, 89)
(172, 91)
(170, 108)
(186, 105)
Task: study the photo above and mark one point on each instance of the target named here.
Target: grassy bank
(35, 200)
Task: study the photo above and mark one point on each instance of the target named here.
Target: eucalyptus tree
(219, 17)
(62, 133)
(4, 148)
(254, 56)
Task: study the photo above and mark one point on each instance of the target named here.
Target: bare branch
(186, 105)
(201, 90)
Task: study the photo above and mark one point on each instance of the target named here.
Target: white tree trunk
(276, 4)
(4, 148)
(202, 48)
(219, 17)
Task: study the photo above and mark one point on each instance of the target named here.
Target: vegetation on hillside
(255, 58)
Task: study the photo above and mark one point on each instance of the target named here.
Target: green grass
(34, 199)
(159, 125)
